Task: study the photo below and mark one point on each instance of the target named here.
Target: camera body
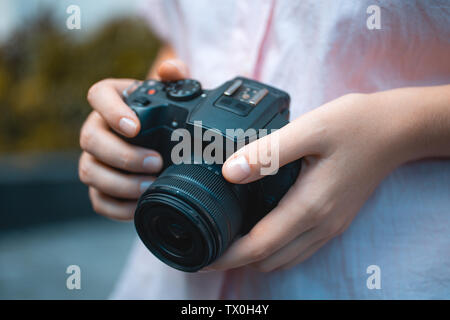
(191, 214)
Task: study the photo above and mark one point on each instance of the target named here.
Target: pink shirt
(318, 51)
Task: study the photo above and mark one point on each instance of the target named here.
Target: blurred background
(46, 69)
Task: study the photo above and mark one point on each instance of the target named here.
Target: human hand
(348, 146)
(116, 171)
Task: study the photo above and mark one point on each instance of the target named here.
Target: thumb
(267, 154)
(173, 69)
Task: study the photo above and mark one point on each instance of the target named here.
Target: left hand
(348, 146)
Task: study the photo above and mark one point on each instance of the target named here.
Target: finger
(306, 254)
(105, 146)
(173, 69)
(289, 252)
(275, 230)
(265, 155)
(106, 98)
(110, 181)
(301, 244)
(110, 207)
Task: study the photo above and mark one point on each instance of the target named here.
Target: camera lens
(190, 215)
(173, 235)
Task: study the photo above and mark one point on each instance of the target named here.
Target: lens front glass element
(173, 234)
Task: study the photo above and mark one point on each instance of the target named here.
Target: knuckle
(258, 253)
(96, 88)
(86, 137)
(126, 160)
(318, 209)
(311, 205)
(316, 217)
(84, 171)
(261, 249)
(313, 212)
(257, 232)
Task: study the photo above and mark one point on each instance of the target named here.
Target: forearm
(420, 118)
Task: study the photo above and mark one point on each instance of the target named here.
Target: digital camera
(190, 214)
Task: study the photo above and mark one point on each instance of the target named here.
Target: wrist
(417, 121)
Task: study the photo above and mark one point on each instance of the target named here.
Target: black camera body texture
(191, 214)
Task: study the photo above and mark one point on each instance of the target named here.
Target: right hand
(116, 171)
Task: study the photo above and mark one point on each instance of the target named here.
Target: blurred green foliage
(45, 72)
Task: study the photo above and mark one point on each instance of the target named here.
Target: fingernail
(145, 185)
(238, 169)
(180, 67)
(127, 126)
(152, 163)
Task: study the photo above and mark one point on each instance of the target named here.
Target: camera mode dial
(183, 90)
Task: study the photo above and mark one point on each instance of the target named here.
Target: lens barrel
(190, 215)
